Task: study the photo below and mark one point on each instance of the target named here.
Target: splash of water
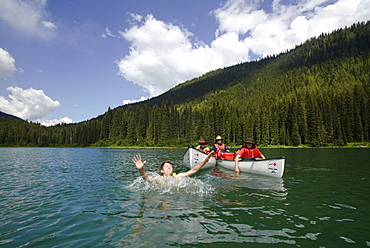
(170, 185)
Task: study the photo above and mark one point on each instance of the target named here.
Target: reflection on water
(214, 207)
(96, 198)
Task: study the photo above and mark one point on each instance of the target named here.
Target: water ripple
(96, 198)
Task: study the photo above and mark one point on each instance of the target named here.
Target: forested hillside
(316, 94)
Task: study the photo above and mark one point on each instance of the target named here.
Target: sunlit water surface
(54, 197)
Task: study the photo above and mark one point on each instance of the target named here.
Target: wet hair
(167, 161)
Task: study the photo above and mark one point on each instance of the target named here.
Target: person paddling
(167, 169)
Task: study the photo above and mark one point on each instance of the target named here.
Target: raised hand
(209, 156)
(137, 161)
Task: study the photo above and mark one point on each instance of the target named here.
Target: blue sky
(71, 60)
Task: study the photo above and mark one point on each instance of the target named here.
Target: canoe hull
(273, 167)
(192, 157)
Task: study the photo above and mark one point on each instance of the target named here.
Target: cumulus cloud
(133, 101)
(27, 17)
(162, 54)
(48, 123)
(287, 25)
(7, 65)
(28, 104)
(239, 16)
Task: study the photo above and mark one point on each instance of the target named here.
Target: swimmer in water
(167, 169)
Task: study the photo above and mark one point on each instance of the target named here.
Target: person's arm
(236, 167)
(260, 155)
(196, 168)
(140, 166)
(238, 154)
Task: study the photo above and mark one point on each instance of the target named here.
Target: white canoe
(273, 167)
(192, 157)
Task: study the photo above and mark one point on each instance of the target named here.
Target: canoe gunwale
(253, 159)
(275, 168)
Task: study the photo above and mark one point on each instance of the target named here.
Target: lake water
(55, 197)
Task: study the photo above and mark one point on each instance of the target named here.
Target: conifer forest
(315, 94)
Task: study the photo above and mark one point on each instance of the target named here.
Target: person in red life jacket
(167, 169)
(203, 146)
(249, 150)
(218, 147)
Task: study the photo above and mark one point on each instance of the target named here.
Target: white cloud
(143, 98)
(27, 17)
(136, 17)
(28, 104)
(108, 33)
(238, 16)
(162, 54)
(287, 25)
(48, 123)
(7, 65)
(49, 25)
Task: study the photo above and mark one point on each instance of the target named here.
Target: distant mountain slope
(337, 45)
(2, 114)
(197, 88)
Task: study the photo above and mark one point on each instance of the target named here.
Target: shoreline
(349, 145)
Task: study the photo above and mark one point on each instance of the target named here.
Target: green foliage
(314, 95)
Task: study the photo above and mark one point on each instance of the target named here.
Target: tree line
(315, 94)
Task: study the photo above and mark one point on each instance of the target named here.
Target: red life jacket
(249, 153)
